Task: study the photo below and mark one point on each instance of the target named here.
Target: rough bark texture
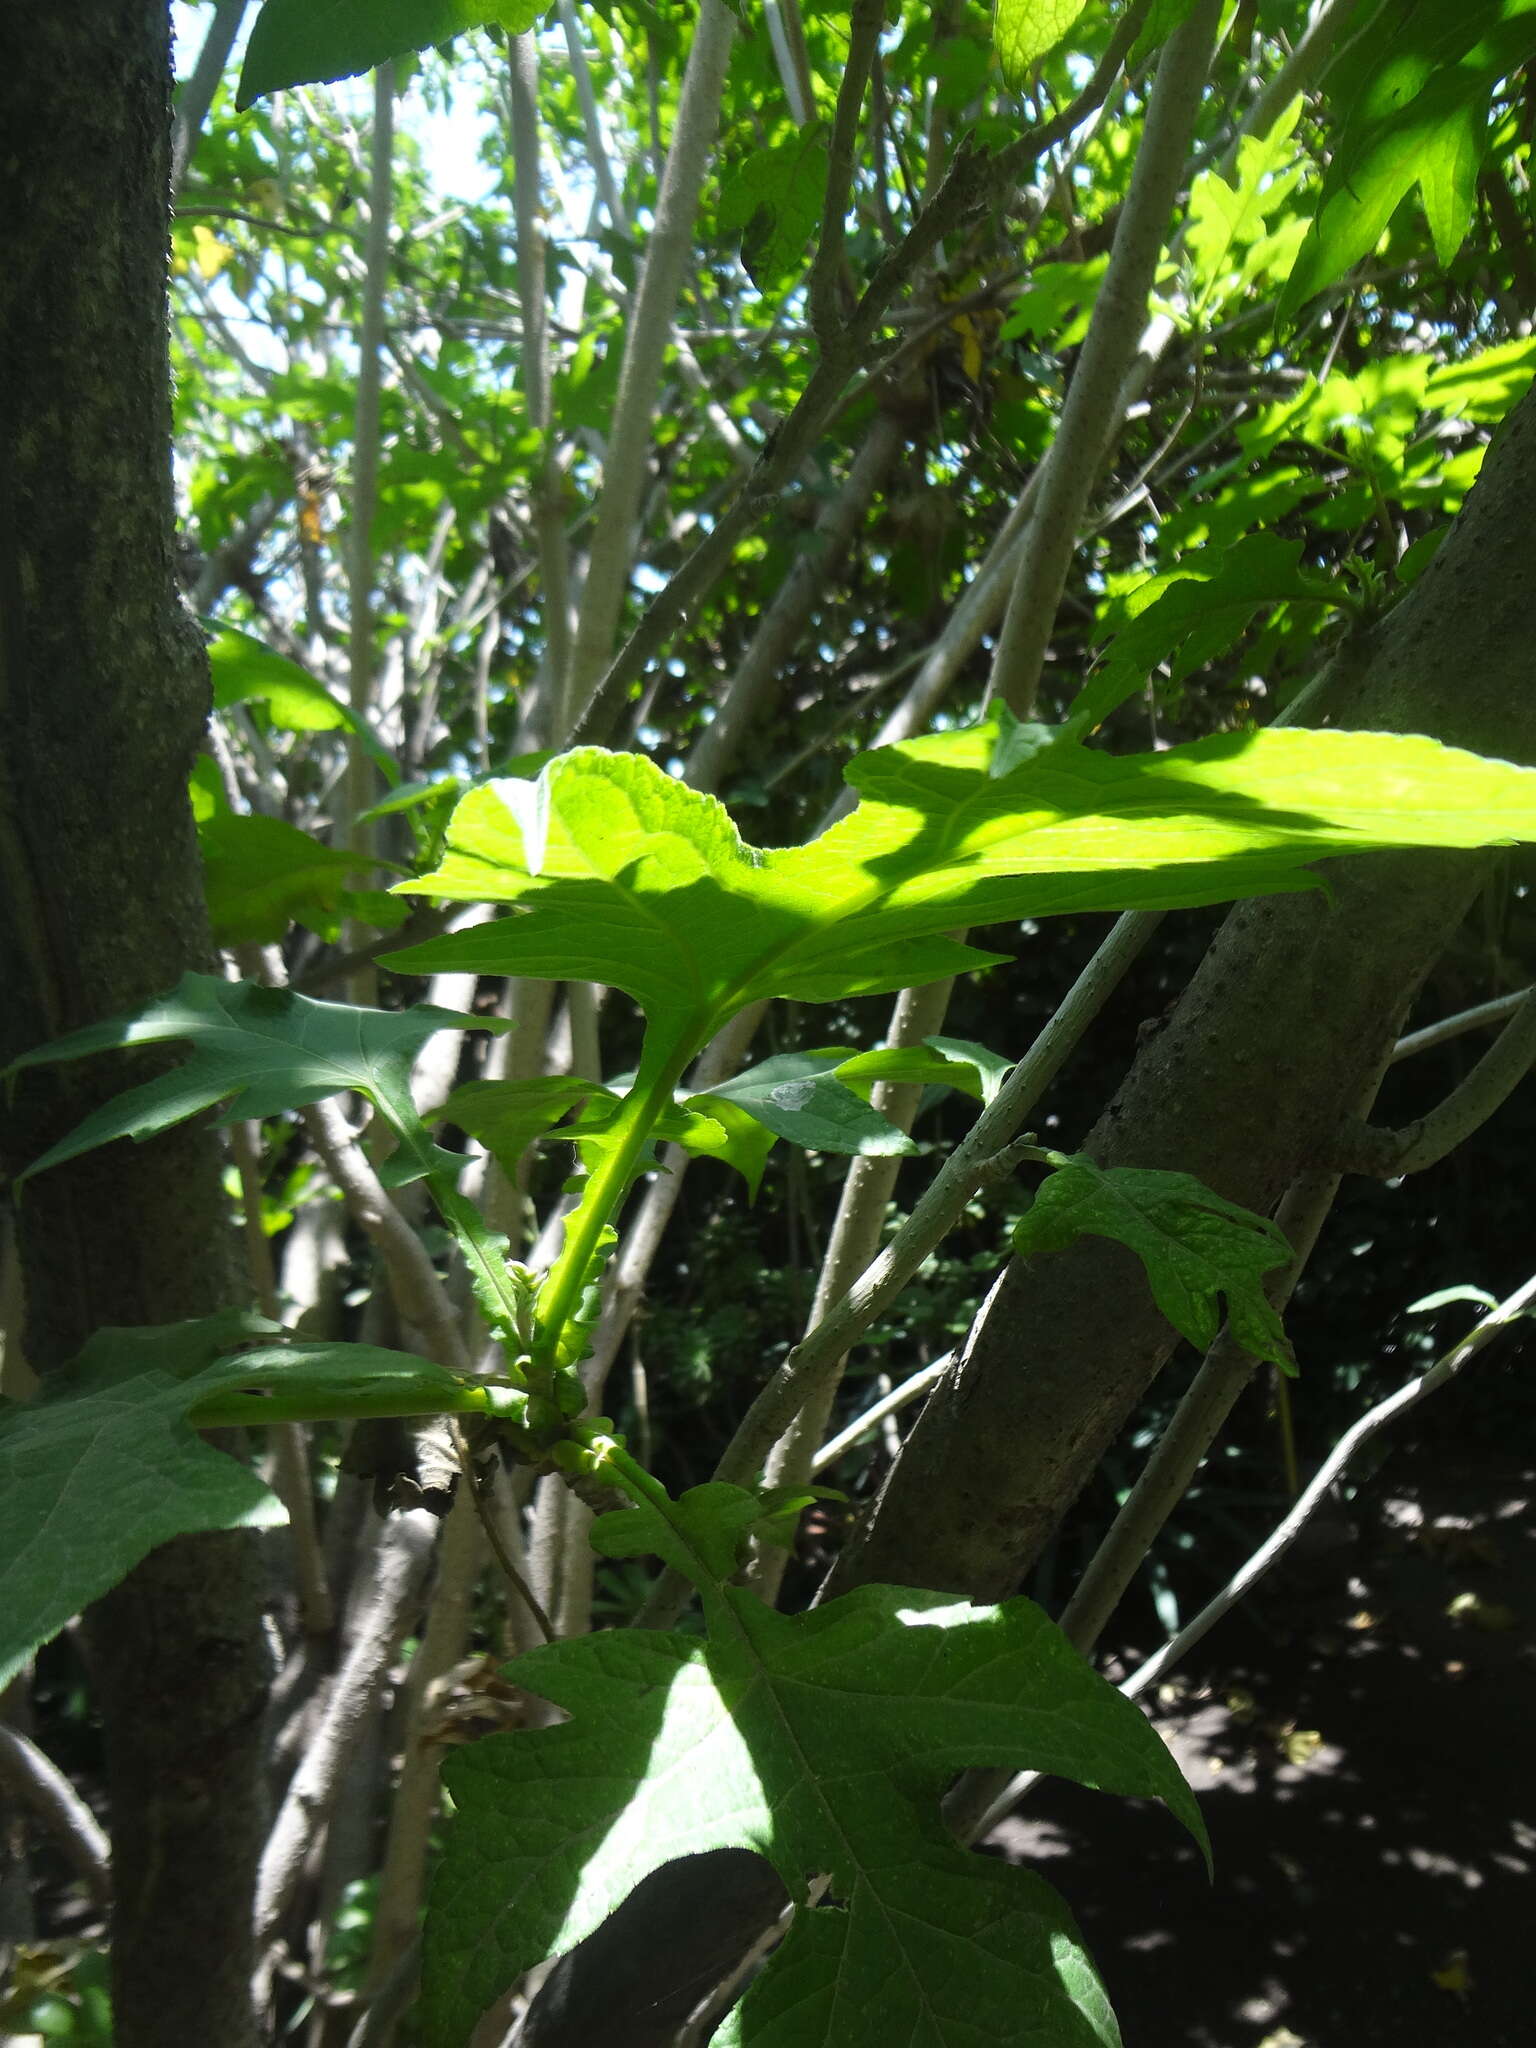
(103, 693)
(1293, 1009)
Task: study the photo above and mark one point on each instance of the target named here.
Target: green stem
(240, 1407)
(605, 1188)
(633, 1479)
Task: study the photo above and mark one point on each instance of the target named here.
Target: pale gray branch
(34, 1781)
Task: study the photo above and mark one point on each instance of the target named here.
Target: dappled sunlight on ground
(1362, 1747)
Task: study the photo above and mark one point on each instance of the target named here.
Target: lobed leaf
(256, 1051)
(1197, 1247)
(622, 875)
(1417, 84)
(823, 1741)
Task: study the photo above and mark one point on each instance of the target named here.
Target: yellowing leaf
(1454, 1975)
(1300, 1745)
(208, 252)
(1492, 1616)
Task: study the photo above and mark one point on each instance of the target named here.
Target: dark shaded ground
(1362, 1742)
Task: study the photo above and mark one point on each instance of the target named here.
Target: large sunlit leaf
(310, 42)
(105, 1463)
(1416, 88)
(1198, 1248)
(823, 1741)
(622, 875)
(255, 1050)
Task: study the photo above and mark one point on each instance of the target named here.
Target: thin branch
(35, 1782)
(1376, 1419)
(548, 712)
(649, 329)
(972, 1823)
(853, 1242)
(196, 95)
(889, 1404)
(786, 33)
(1165, 1479)
(365, 470)
(400, 1571)
(1366, 1148)
(1447, 1028)
(1090, 411)
(933, 1217)
(865, 22)
(288, 1441)
(781, 625)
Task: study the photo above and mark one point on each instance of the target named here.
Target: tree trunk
(1290, 1015)
(103, 695)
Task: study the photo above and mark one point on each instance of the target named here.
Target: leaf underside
(823, 1741)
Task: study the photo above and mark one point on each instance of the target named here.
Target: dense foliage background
(538, 392)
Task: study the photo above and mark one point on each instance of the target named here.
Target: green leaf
(824, 1741)
(743, 1142)
(774, 201)
(936, 1063)
(1421, 77)
(509, 1116)
(1484, 387)
(1196, 1246)
(1024, 31)
(247, 671)
(795, 1096)
(105, 1463)
(255, 1050)
(1227, 236)
(311, 42)
(1163, 17)
(1193, 612)
(262, 875)
(1443, 1298)
(625, 876)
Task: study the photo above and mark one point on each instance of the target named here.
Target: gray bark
(103, 695)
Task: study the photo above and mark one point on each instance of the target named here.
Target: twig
(1270, 1552)
(1119, 318)
(888, 1404)
(1366, 1148)
(33, 1780)
(400, 1570)
(1447, 1028)
(935, 1214)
